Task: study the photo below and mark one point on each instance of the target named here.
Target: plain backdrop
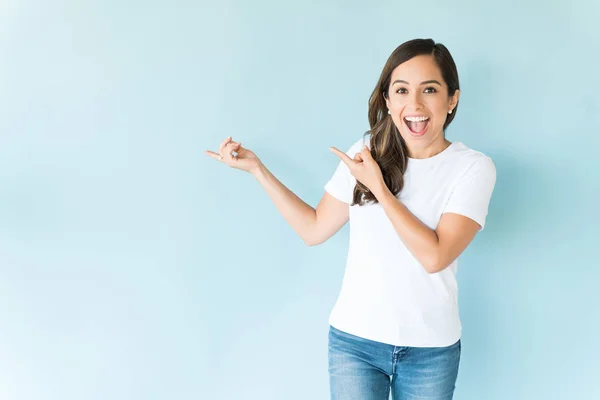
(132, 266)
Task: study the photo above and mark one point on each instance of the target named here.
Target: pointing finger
(343, 156)
(213, 155)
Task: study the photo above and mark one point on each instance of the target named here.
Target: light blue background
(132, 266)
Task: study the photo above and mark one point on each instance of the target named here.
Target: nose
(414, 100)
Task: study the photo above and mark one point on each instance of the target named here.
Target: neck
(431, 150)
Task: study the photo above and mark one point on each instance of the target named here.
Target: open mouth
(417, 125)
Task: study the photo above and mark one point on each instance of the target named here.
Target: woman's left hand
(364, 168)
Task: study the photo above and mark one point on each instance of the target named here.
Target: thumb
(237, 146)
(366, 152)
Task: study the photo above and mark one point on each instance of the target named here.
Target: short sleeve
(471, 196)
(342, 183)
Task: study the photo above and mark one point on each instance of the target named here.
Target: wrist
(259, 171)
(380, 191)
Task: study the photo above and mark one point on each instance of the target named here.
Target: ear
(387, 100)
(454, 100)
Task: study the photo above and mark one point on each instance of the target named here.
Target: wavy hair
(388, 148)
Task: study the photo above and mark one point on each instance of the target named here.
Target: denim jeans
(363, 369)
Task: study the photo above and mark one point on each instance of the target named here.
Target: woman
(414, 201)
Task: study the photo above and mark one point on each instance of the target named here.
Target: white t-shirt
(386, 294)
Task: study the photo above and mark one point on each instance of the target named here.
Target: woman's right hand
(245, 159)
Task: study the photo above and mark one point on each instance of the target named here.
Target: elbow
(314, 240)
(433, 265)
(310, 242)
(431, 269)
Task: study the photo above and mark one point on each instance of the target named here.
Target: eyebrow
(422, 83)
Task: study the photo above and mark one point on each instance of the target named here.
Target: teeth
(416, 119)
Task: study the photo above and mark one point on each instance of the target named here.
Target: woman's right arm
(314, 226)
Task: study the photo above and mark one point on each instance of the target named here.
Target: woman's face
(418, 102)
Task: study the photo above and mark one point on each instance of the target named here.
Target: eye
(430, 89)
(401, 91)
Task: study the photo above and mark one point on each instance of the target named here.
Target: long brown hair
(387, 145)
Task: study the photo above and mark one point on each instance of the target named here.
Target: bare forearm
(301, 216)
(418, 238)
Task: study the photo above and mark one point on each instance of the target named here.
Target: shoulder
(472, 161)
(466, 155)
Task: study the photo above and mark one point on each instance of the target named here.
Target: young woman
(415, 201)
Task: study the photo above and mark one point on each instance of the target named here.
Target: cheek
(397, 119)
(396, 107)
(439, 109)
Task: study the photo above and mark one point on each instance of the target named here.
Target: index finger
(343, 156)
(213, 155)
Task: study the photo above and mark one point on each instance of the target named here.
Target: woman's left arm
(434, 249)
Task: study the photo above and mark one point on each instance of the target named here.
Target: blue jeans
(362, 369)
